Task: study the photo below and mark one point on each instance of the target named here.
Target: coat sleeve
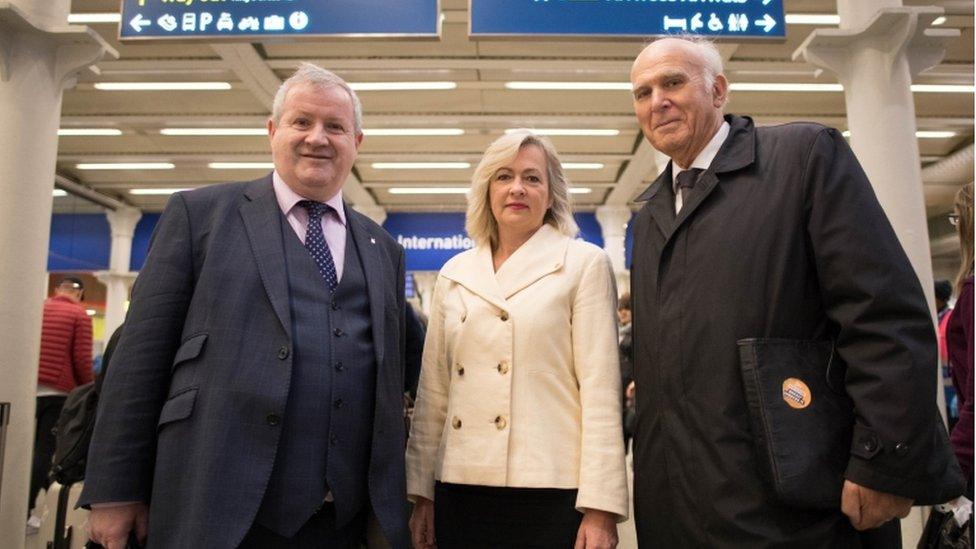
(430, 411)
(602, 468)
(122, 453)
(884, 331)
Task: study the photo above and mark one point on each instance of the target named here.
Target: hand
(631, 390)
(597, 531)
(422, 524)
(869, 508)
(110, 526)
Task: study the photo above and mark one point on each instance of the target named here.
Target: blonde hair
(480, 223)
(964, 209)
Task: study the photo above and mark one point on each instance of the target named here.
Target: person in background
(626, 345)
(960, 335)
(65, 363)
(943, 292)
(516, 434)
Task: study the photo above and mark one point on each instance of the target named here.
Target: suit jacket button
(339, 367)
(456, 422)
(338, 403)
(869, 443)
(503, 316)
(333, 440)
(273, 419)
(500, 422)
(283, 352)
(337, 332)
(334, 305)
(902, 448)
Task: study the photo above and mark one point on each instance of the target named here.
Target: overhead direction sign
(725, 19)
(216, 19)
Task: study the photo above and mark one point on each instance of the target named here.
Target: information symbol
(298, 20)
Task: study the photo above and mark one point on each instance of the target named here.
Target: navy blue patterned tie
(315, 241)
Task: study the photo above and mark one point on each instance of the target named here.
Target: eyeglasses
(954, 219)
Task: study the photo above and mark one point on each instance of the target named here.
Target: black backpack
(73, 434)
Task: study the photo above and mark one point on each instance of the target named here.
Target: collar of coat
(737, 152)
(542, 254)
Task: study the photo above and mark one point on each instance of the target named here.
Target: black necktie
(685, 181)
(315, 241)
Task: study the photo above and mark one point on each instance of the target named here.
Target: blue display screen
(211, 19)
(718, 18)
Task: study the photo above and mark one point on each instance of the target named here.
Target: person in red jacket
(66, 362)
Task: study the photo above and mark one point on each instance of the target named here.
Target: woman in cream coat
(516, 433)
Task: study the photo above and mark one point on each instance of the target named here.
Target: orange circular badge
(796, 393)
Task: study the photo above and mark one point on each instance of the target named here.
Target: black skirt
(475, 517)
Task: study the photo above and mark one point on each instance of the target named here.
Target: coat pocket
(190, 349)
(800, 416)
(178, 407)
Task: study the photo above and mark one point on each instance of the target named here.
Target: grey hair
(711, 58)
(480, 223)
(315, 76)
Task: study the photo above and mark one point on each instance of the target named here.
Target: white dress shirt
(703, 161)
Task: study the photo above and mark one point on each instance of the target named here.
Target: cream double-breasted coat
(520, 384)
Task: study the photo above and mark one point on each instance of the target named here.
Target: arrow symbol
(767, 22)
(766, 2)
(138, 23)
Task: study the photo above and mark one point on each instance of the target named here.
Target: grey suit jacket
(204, 366)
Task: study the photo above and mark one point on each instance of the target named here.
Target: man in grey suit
(255, 399)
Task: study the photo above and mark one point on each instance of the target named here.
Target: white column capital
(376, 213)
(123, 221)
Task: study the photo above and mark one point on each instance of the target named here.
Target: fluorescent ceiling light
(421, 165)
(812, 19)
(625, 86)
(784, 87)
(580, 190)
(405, 86)
(582, 166)
(60, 192)
(427, 190)
(939, 20)
(77, 18)
(162, 192)
(400, 132)
(920, 134)
(144, 86)
(127, 166)
(89, 131)
(241, 165)
(214, 131)
(943, 88)
(569, 132)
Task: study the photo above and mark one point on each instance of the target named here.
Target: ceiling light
(127, 166)
(582, 166)
(161, 86)
(624, 86)
(78, 18)
(580, 190)
(404, 86)
(241, 165)
(569, 132)
(400, 132)
(161, 192)
(784, 87)
(939, 20)
(920, 134)
(943, 88)
(90, 312)
(427, 190)
(812, 19)
(89, 131)
(214, 131)
(60, 192)
(421, 165)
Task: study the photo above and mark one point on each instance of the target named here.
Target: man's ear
(720, 90)
(271, 128)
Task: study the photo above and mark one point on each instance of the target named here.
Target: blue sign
(210, 19)
(727, 19)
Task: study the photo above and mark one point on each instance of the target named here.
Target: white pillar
(118, 279)
(613, 222)
(376, 213)
(39, 56)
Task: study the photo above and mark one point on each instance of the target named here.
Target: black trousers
(319, 532)
(474, 517)
(45, 416)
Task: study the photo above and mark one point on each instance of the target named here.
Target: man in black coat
(772, 234)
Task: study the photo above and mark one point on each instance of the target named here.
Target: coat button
(460, 369)
(503, 316)
(338, 403)
(902, 448)
(500, 422)
(456, 422)
(869, 444)
(337, 332)
(502, 367)
(339, 367)
(283, 352)
(273, 419)
(333, 440)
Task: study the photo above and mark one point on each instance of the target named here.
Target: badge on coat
(796, 393)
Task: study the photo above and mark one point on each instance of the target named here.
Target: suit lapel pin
(796, 393)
